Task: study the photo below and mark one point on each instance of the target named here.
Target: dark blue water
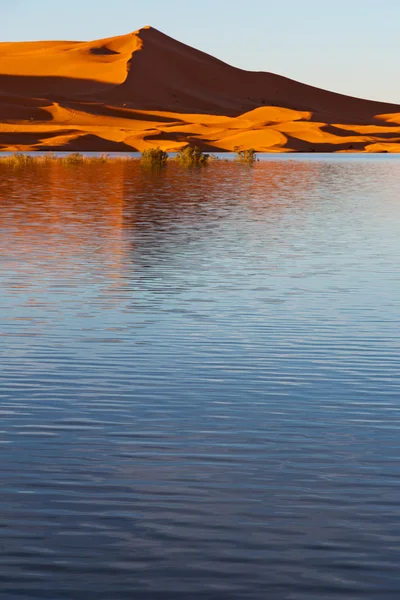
(199, 383)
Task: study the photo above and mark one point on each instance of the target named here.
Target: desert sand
(145, 89)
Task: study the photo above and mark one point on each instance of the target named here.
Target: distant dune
(145, 89)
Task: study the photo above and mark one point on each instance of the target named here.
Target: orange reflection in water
(88, 218)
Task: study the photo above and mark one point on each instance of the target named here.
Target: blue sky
(350, 46)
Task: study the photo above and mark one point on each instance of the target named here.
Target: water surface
(199, 384)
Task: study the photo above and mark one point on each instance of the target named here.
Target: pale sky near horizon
(349, 46)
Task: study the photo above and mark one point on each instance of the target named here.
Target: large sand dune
(145, 89)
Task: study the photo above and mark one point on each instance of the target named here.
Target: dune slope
(145, 89)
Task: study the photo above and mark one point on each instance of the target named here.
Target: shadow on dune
(297, 145)
(118, 112)
(51, 87)
(332, 129)
(32, 138)
(176, 77)
(395, 135)
(21, 109)
(103, 51)
(86, 143)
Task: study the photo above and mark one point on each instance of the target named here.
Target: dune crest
(145, 89)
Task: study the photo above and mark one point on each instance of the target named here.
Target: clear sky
(349, 46)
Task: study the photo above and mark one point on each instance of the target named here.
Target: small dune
(145, 89)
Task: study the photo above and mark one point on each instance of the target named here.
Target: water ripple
(199, 385)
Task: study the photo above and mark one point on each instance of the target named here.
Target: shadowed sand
(144, 89)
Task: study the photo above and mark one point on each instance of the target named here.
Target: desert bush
(246, 156)
(48, 157)
(103, 158)
(155, 157)
(191, 156)
(18, 159)
(73, 159)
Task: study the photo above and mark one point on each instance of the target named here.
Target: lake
(200, 381)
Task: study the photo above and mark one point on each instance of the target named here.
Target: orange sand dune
(145, 89)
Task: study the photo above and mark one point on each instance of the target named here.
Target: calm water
(200, 381)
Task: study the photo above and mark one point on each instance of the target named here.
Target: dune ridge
(145, 89)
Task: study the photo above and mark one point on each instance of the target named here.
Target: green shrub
(155, 157)
(246, 156)
(191, 156)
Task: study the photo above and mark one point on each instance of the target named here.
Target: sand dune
(145, 89)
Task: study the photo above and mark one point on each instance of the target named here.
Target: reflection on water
(200, 381)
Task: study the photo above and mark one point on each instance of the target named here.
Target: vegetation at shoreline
(189, 156)
(155, 157)
(248, 157)
(20, 159)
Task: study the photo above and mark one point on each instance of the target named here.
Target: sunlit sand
(144, 90)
